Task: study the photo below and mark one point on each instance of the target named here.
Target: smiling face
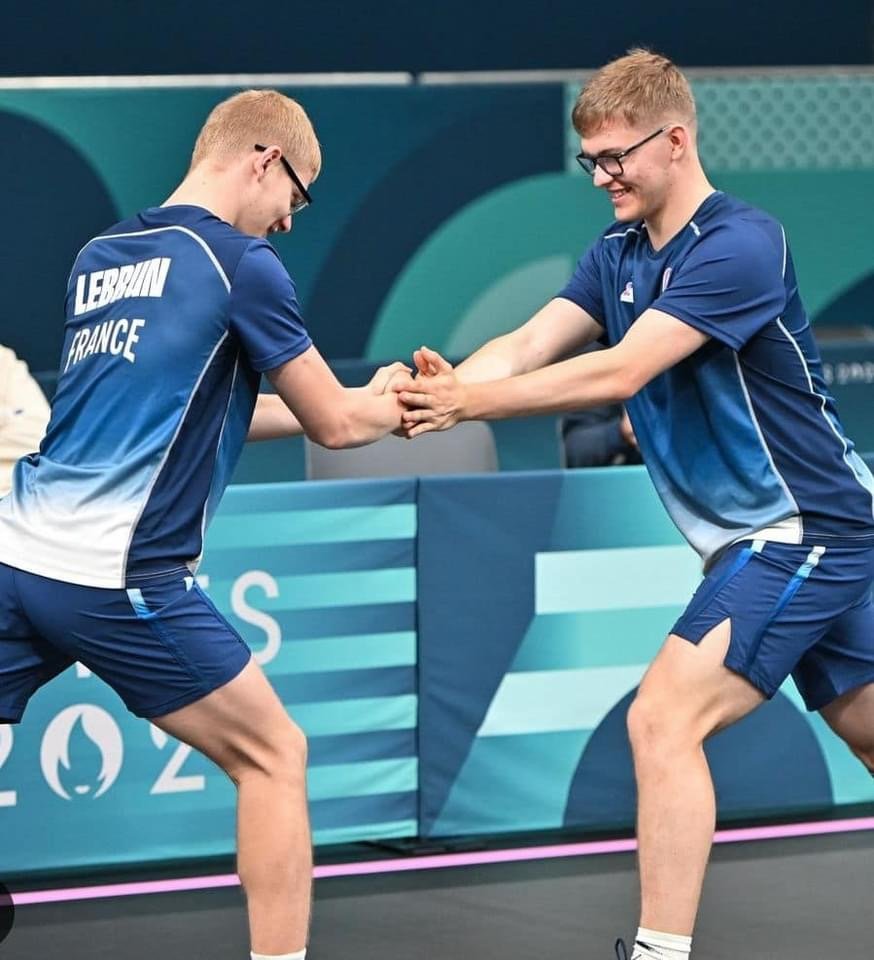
(648, 170)
(639, 97)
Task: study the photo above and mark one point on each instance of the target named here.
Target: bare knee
(656, 729)
(279, 753)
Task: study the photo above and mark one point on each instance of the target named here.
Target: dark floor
(805, 899)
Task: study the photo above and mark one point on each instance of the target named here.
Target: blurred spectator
(24, 414)
(600, 437)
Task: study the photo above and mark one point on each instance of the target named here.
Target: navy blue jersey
(741, 438)
(171, 317)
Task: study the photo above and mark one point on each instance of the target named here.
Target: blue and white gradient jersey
(741, 438)
(171, 317)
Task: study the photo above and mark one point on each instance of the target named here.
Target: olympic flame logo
(100, 730)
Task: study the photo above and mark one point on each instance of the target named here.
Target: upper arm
(655, 342)
(264, 313)
(309, 389)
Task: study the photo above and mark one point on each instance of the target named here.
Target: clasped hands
(431, 397)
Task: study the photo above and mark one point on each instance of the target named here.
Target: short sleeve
(584, 287)
(729, 287)
(264, 312)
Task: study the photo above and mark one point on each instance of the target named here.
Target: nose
(284, 225)
(600, 178)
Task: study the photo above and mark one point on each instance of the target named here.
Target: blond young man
(711, 351)
(171, 318)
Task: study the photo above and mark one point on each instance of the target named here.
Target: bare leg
(244, 728)
(852, 719)
(686, 695)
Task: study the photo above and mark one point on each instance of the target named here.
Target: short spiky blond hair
(259, 116)
(641, 87)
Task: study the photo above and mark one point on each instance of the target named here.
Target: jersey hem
(51, 572)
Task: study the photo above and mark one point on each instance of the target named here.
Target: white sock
(652, 945)
(300, 955)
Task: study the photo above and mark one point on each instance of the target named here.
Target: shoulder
(261, 280)
(738, 229)
(259, 262)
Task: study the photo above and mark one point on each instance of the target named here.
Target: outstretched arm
(326, 411)
(272, 419)
(557, 330)
(655, 342)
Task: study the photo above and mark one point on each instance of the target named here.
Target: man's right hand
(626, 431)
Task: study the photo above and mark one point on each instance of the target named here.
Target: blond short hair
(641, 87)
(259, 116)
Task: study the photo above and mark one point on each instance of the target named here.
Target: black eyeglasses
(611, 163)
(295, 179)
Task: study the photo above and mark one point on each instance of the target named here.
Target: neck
(678, 209)
(201, 188)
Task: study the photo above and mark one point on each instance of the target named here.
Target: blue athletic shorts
(160, 644)
(799, 610)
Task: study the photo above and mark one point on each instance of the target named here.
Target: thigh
(240, 725)
(27, 660)
(692, 688)
(851, 716)
(160, 645)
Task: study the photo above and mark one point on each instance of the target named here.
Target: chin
(627, 215)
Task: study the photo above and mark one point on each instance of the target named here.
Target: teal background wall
(444, 214)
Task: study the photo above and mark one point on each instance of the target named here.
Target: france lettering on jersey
(171, 317)
(742, 437)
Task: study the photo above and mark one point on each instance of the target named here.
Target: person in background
(598, 436)
(24, 414)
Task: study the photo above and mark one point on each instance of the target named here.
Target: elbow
(336, 433)
(624, 385)
(332, 436)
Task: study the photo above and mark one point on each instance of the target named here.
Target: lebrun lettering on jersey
(111, 336)
(102, 287)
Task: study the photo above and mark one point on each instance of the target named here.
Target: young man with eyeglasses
(172, 317)
(711, 351)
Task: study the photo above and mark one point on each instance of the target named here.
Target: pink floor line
(437, 862)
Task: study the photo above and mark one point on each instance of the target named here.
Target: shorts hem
(817, 703)
(192, 696)
(766, 688)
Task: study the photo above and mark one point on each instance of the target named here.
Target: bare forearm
(272, 419)
(362, 418)
(560, 328)
(499, 358)
(586, 381)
